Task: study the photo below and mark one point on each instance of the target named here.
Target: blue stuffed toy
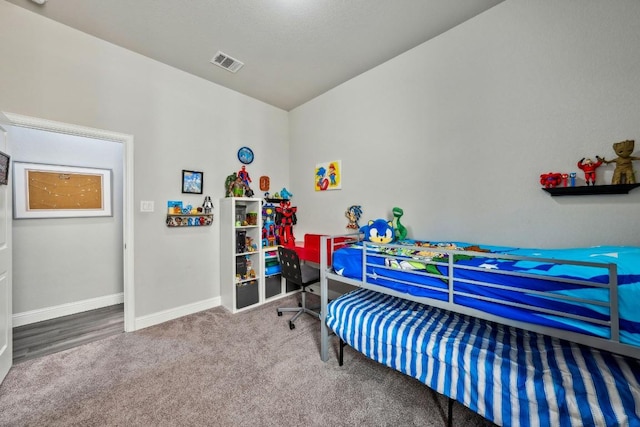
(378, 231)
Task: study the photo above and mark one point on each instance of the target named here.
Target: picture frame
(192, 181)
(4, 168)
(55, 191)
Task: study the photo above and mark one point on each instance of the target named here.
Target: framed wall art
(328, 176)
(192, 182)
(4, 168)
(53, 191)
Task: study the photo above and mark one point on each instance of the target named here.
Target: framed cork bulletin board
(52, 191)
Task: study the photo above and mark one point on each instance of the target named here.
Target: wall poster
(328, 176)
(52, 191)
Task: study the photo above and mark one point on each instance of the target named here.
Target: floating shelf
(189, 220)
(591, 190)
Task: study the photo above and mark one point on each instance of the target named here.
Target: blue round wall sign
(245, 155)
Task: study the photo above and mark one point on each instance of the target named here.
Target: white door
(6, 336)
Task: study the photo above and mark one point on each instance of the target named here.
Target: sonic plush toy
(378, 231)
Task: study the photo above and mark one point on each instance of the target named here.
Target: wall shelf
(189, 220)
(591, 190)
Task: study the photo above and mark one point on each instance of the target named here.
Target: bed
(571, 318)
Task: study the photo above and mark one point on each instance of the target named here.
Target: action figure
(589, 169)
(623, 173)
(286, 217)
(244, 176)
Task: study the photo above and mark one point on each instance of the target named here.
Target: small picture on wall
(192, 182)
(4, 168)
(328, 176)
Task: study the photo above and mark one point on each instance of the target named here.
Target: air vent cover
(225, 61)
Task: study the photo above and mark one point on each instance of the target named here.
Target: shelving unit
(591, 190)
(189, 220)
(239, 288)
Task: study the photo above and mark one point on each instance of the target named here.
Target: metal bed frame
(612, 344)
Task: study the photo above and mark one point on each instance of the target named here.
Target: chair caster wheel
(291, 325)
(279, 314)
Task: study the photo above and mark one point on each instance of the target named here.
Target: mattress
(402, 269)
(510, 376)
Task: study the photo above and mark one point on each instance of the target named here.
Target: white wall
(65, 260)
(178, 121)
(458, 130)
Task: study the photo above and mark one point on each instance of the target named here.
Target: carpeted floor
(217, 369)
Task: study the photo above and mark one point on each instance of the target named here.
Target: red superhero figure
(286, 217)
(589, 169)
(551, 179)
(244, 175)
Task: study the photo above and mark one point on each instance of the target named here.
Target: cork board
(44, 191)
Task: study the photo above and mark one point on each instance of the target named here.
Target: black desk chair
(303, 276)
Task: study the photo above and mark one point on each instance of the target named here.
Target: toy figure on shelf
(229, 183)
(238, 188)
(244, 175)
(572, 178)
(551, 179)
(353, 214)
(285, 194)
(589, 168)
(269, 229)
(286, 217)
(623, 173)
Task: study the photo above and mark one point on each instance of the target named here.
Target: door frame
(127, 202)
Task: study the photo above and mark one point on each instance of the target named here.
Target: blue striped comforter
(509, 376)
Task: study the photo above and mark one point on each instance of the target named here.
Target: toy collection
(353, 214)
(237, 184)
(623, 173)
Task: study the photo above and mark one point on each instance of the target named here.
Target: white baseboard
(174, 313)
(33, 316)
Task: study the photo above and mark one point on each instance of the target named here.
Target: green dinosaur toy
(401, 230)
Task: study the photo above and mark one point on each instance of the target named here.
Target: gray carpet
(218, 369)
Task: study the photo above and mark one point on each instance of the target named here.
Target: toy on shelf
(269, 228)
(400, 230)
(286, 219)
(551, 179)
(572, 178)
(244, 175)
(207, 205)
(623, 173)
(378, 231)
(237, 187)
(589, 168)
(353, 214)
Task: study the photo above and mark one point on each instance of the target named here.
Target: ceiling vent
(225, 61)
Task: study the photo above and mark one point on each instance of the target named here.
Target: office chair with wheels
(301, 275)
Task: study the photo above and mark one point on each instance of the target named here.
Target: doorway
(124, 205)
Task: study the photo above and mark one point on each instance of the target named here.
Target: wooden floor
(51, 336)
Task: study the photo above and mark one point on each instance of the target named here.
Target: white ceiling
(293, 50)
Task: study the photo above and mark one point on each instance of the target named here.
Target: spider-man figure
(286, 217)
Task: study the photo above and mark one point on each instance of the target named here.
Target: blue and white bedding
(402, 268)
(509, 376)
